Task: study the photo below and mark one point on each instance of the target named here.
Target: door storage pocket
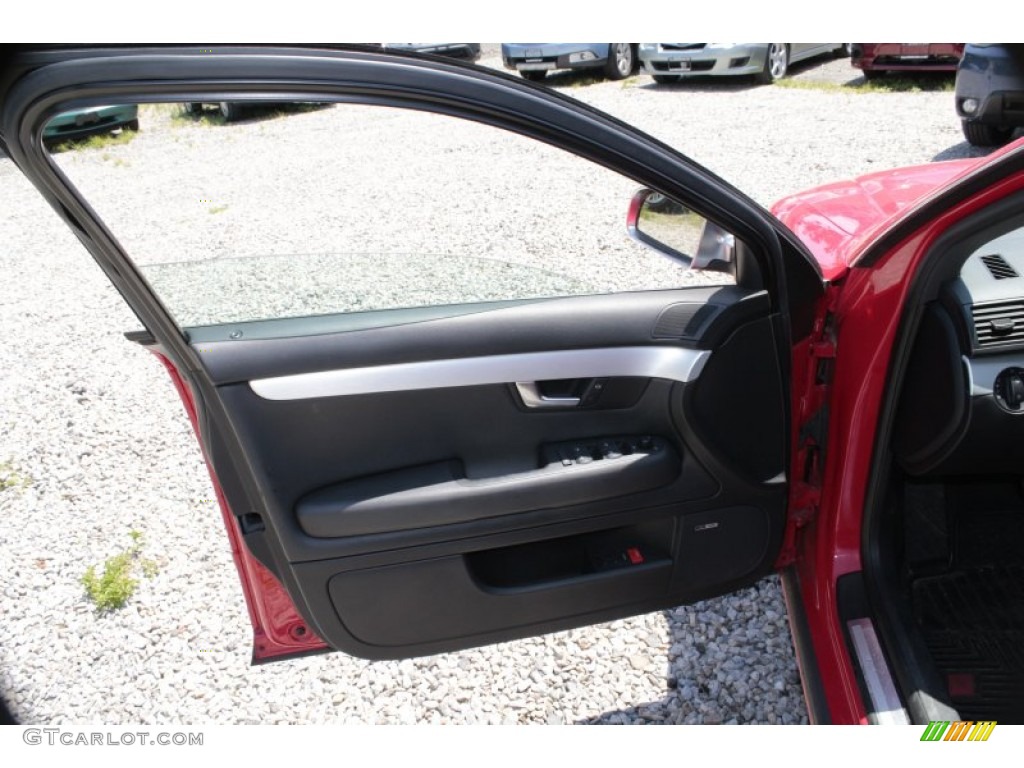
(466, 595)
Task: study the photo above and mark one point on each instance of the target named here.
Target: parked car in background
(91, 120)
(990, 92)
(229, 110)
(534, 60)
(875, 59)
(469, 51)
(767, 62)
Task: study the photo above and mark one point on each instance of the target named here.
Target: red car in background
(875, 59)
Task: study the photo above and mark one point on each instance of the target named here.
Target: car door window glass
(302, 209)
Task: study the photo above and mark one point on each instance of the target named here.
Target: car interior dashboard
(962, 408)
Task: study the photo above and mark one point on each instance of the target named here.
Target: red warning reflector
(635, 555)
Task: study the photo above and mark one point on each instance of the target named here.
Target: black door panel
(690, 318)
(483, 519)
(303, 447)
(448, 602)
(726, 410)
(577, 472)
(469, 592)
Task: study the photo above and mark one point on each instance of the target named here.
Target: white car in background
(767, 62)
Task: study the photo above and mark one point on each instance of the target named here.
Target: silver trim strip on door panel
(673, 363)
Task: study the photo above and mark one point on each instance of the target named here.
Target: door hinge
(805, 494)
(813, 433)
(805, 500)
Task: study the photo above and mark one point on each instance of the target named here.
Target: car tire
(843, 51)
(621, 62)
(666, 79)
(776, 64)
(132, 125)
(658, 203)
(192, 107)
(230, 111)
(536, 75)
(984, 135)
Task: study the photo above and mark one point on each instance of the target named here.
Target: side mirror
(673, 230)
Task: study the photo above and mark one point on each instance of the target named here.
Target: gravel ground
(93, 444)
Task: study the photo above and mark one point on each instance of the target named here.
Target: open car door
(443, 404)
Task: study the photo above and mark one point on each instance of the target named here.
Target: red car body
(838, 222)
(876, 58)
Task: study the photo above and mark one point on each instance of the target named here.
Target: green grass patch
(206, 118)
(11, 479)
(111, 589)
(924, 84)
(580, 81)
(97, 141)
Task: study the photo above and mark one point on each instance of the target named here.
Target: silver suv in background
(534, 60)
(990, 92)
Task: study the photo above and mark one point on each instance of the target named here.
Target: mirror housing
(673, 230)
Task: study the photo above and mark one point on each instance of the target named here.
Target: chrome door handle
(532, 398)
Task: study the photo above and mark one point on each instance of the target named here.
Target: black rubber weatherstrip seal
(814, 689)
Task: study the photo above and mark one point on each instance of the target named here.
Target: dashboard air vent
(999, 267)
(999, 324)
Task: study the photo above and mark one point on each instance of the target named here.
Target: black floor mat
(973, 622)
(994, 538)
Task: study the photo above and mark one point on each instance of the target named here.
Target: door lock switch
(592, 394)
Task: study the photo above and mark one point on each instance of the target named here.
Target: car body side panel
(278, 629)
(867, 317)
(837, 221)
